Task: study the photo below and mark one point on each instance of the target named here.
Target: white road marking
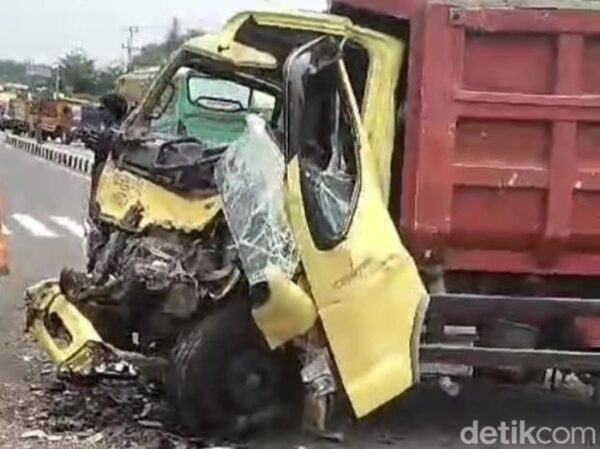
(34, 226)
(5, 230)
(69, 224)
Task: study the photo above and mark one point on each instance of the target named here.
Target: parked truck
(89, 120)
(5, 118)
(132, 86)
(16, 115)
(421, 160)
(54, 119)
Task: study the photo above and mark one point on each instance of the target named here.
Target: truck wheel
(222, 376)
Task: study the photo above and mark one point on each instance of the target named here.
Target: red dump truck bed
(502, 163)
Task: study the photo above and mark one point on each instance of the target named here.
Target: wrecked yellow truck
(266, 270)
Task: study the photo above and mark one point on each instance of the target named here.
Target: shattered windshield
(205, 106)
(249, 177)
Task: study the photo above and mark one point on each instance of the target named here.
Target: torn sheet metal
(68, 337)
(250, 180)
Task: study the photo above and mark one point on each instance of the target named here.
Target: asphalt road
(43, 210)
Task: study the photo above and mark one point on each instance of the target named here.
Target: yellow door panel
(367, 288)
(121, 194)
(368, 294)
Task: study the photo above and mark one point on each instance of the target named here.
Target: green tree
(77, 72)
(12, 72)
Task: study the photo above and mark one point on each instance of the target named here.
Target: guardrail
(81, 163)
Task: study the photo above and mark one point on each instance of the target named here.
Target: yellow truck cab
(260, 266)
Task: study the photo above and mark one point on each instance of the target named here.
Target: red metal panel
(502, 166)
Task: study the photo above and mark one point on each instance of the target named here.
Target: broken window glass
(249, 177)
(327, 151)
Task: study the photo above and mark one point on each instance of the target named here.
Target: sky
(43, 30)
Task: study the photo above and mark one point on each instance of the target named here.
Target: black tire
(223, 377)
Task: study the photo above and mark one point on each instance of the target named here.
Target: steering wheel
(171, 146)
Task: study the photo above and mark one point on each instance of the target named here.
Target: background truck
(5, 118)
(132, 86)
(54, 119)
(16, 115)
(90, 119)
(404, 164)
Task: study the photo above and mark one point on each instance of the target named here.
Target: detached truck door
(364, 282)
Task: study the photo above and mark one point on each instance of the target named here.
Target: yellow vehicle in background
(5, 117)
(132, 86)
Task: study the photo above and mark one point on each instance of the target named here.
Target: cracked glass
(249, 177)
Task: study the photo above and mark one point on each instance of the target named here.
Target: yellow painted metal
(46, 300)
(120, 192)
(288, 313)
(309, 21)
(367, 289)
(216, 47)
(379, 114)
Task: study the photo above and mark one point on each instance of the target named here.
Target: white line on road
(69, 224)
(32, 225)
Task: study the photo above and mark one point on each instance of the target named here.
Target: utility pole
(131, 31)
(57, 85)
